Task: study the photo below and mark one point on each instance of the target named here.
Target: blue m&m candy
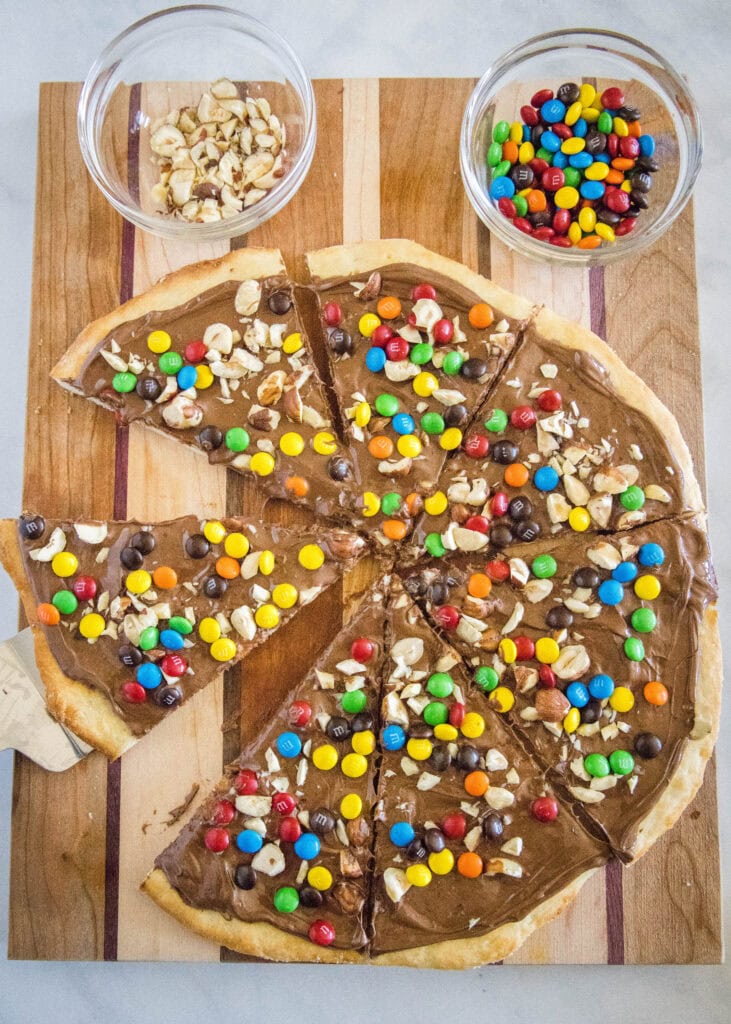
(307, 846)
(171, 639)
(625, 572)
(502, 188)
(375, 359)
(592, 189)
(611, 592)
(289, 744)
(647, 145)
(545, 478)
(650, 555)
(551, 142)
(577, 694)
(401, 833)
(402, 423)
(581, 160)
(581, 128)
(393, 737)
(601, 687)
(148, 675)
(560, 160)
(249, 841)
(553, 111)
(187, 378)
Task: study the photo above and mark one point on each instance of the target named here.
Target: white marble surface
(57, 41)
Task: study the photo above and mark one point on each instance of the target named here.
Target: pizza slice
(277, 861)
(569, 441)
(473, 848)
(216, 355)
(603, 652)
(414, 342)
(130, 619)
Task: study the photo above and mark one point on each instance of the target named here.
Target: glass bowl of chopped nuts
(580, 146)
(197, 123)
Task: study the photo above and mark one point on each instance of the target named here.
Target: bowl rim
(524, 244)
(248, 219)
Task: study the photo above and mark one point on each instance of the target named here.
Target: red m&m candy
(362, 649)
(454, 826)
(476, 446)
(544, 808)
(497, 570)
(332, 314)
(195, 351)
(300, 712)
(525, 649)
(223, 812)
(443, 331)
(217, 840)
(481, 524)
(134, 693)
(447, 617)
(289, 830)
(84, 587)
(382, 334)
(246, 782)
(523, 417)
(547, 677)
(397, 349)
(550, 400)
(456, 714)
(499, 504)
(174, 665)
(322, 933)
(283, 803)
(423, 291)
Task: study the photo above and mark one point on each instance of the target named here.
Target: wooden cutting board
(386, 164)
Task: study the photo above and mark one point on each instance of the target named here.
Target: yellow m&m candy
(451, 439)
(503, 698)
(214, 531)
(647, 588)
(266, 563)
(223, 649)
(319, 878)
(572, 721)
(64, 564)
(419, 749)
(292, 443)
(418, 875)
(362, 414)
(424, 384)
(325, 757)
(203, 376)
(436, 503)
(91, 626)
(547, 650)
(473, 725)
(208, 630)
(285, 595)
(508, 650)
(368, 323)
(311, 556)
(622, 699)
(138, 582)
(579, 519)
(292, 343)
(371, 504)
(350, 806)
(354, 765)
(236, 545)
(363, 742)
(409, 446)
(266, 617)
(325, 443)
(441, 863)
(445, 732)
(159, 341)
(262, 464)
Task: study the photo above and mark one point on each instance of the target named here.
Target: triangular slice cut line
(130, 619)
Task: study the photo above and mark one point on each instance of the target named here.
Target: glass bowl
(166, 62)
(668, 113)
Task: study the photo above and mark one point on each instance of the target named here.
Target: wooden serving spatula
(25, 723)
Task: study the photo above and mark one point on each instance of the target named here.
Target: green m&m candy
(440, 684)
(434, 546)
(494, 154)
(286, 899)
(486, 678)
(65, 601)
(604, 122)
(544, 566)
(544, 154)
(237, 439)
(634, 648)
(521, 205)
(452, 363)
(124, 382)
(432, 423)
(386, 405)
(501, 132)
(181, 625)
(390, 503)
(596, 765)
(421, 353)
(633, 498)
(354, 702)
(621, 762)
(643, 620)
(149, 638)
(571, 176)
(497, 421)
(502, 169)
(170, 363)
(436, 713)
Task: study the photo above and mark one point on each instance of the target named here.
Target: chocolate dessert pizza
(131, 619)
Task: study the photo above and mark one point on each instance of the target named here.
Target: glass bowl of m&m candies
(580, 146)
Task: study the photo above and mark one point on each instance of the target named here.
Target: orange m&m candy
(510, 151)
(413, 503)
(380, 446)
(469, 865)
(589, 242)
(480, 315)
(48, 614)
(655, 693)
(536, 201)
(164, 577)
(388, 307)
(476, 784)
(297, 485)
(479, 585)
(394, 529)
(228, 567)
(516, 475)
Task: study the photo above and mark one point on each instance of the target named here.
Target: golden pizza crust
(84, 710)
(268, 942)
(171, 291)
(688, 776)
(352, 261)
(252, 939)
(631, 389)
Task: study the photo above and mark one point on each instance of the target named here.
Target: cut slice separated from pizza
(216, 356)
(569, 440)
(130, 619)
(277, 862)
(415, 341)
(603, 653)
(473, 847)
